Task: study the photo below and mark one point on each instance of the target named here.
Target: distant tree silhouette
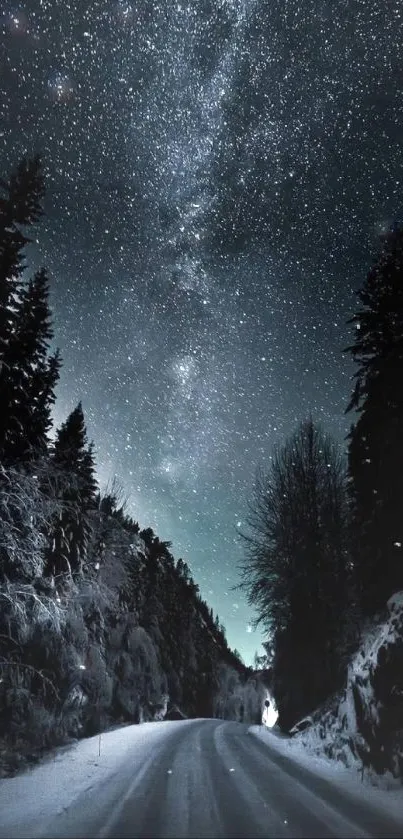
(27, 375)
(295, 571)
(375, 457)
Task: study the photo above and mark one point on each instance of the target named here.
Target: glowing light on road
(270, 713)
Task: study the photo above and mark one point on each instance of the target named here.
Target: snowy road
(203, 778)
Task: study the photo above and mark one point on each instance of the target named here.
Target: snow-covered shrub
(27, 680)
(255, 694)
(230, 701)
(42, 727)
(25, 512)
(97, 686)
(237, 699)
(161, 708)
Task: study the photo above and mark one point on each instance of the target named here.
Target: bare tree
(295, 571)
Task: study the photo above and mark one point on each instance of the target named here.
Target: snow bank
(362, 727)
(388, 802)
(31, 801)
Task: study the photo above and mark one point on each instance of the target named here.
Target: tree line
(98, 622)
(324, 543)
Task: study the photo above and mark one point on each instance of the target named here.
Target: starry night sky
(218, 174)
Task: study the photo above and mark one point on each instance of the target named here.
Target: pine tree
(376, 439)
(19, 206)
(73, 460)
(28, 377)
(42, 393)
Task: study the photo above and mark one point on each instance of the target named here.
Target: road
(213, 779)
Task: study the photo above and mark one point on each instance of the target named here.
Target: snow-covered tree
(76, 489)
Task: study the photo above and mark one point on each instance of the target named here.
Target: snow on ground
(361, 727)
(387, 800)
(38, 795)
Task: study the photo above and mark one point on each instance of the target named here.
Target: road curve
(213, 779)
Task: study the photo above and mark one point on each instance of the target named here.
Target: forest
(100, 625)
(324, 547)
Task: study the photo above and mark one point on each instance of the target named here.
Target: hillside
(362, 726)
(99, 625)
(122, 641)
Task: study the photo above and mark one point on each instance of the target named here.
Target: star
(217, 176)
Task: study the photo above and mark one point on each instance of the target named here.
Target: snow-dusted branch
(25, 513)
(29, 668)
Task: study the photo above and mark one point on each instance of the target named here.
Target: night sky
(218, 174)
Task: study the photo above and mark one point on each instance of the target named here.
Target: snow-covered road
(200, 778)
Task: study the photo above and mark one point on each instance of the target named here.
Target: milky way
(218, 173)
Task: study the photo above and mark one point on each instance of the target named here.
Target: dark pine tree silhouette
(28, 377)
(376, 439)
(20, 205)
(77, 492)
